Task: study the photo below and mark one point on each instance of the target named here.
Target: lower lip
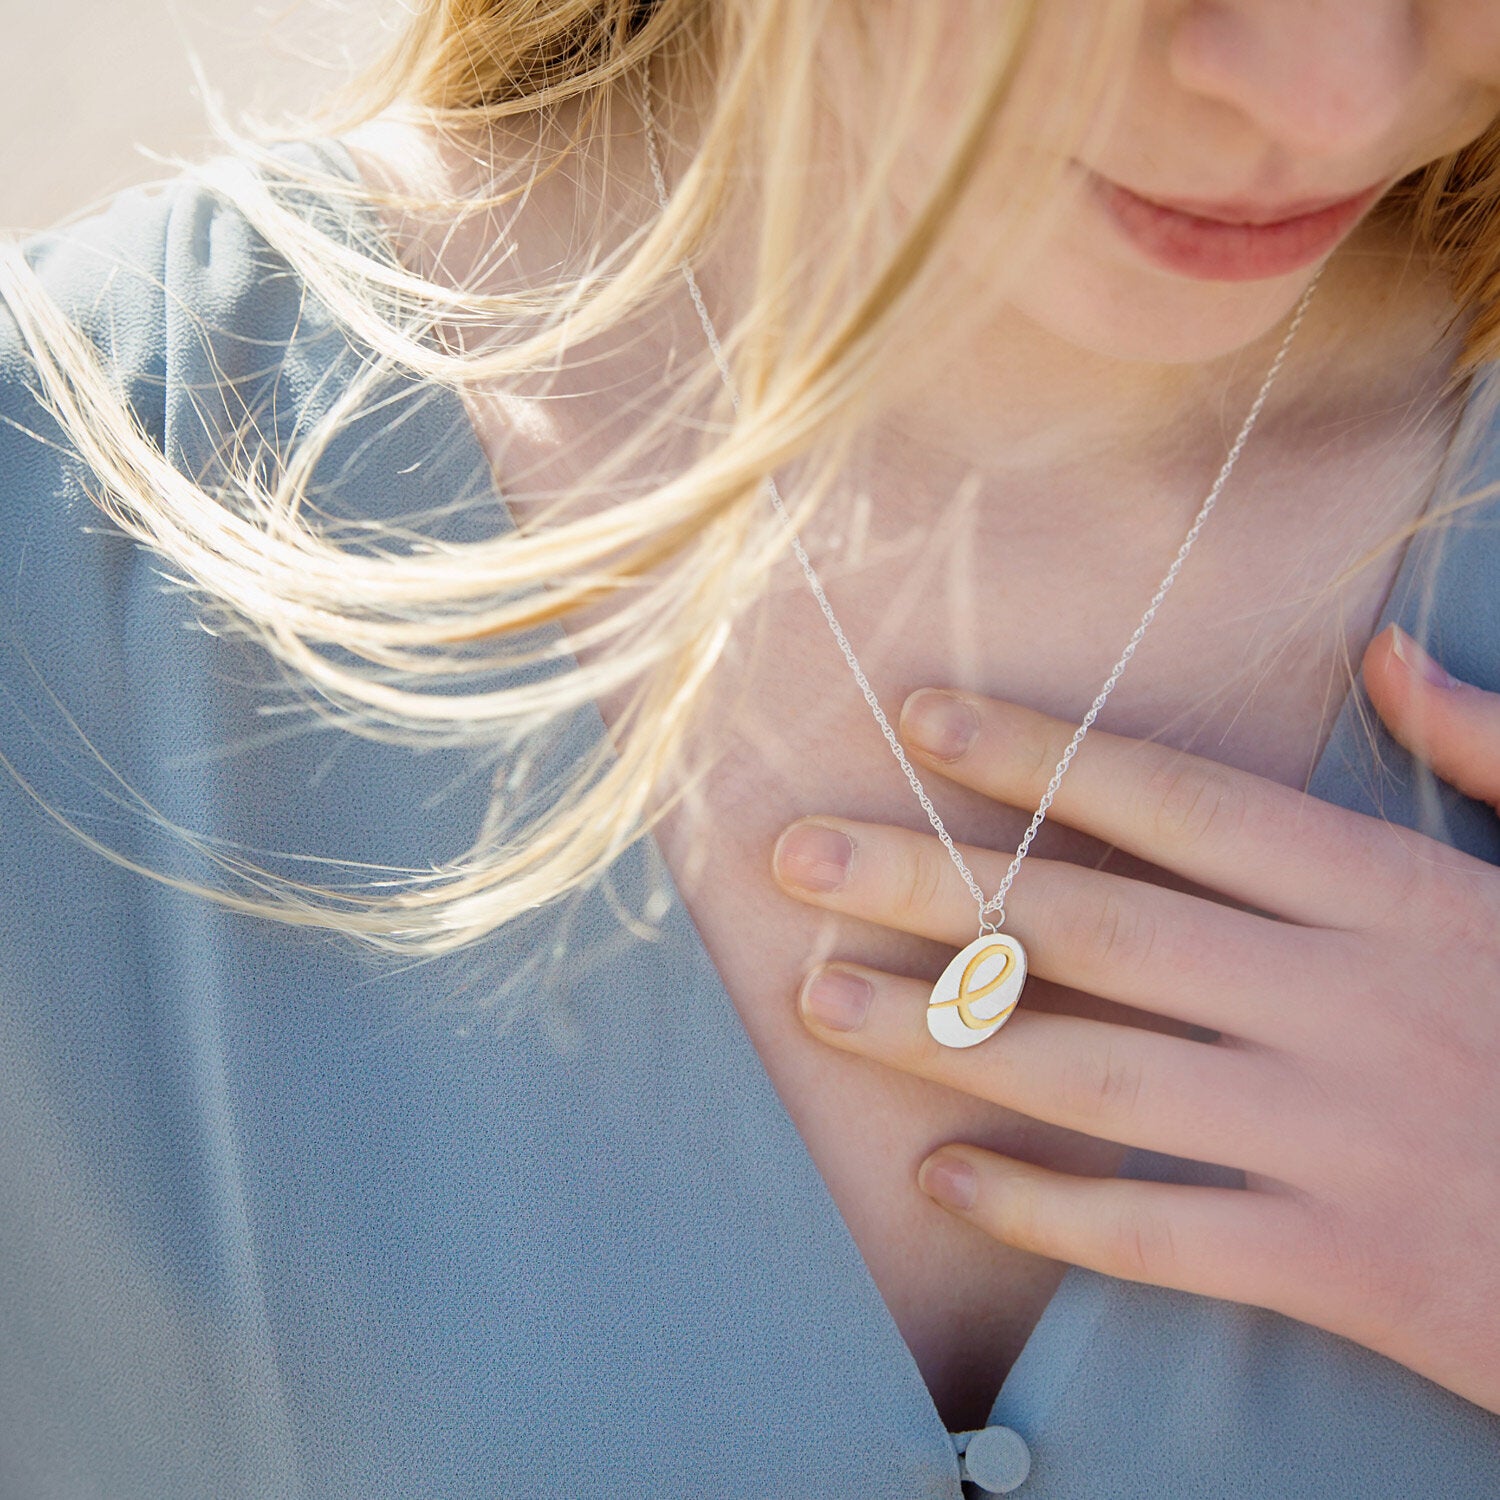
(1214, 251)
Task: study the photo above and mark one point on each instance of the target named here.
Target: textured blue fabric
(277, 1219)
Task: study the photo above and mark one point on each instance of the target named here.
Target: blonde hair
(383, 636)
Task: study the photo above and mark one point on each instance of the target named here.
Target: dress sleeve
(148, 1038)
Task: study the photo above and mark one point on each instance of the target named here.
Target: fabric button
(996, 1459)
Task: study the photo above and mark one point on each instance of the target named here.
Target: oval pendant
(976, 993)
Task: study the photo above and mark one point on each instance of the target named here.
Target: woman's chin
(1149, 317)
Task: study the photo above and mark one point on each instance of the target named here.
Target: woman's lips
(1229, 244)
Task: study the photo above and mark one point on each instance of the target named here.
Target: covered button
(996, 1459)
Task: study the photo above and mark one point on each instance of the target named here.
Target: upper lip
(1251, 211)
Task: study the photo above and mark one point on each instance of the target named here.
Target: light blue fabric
(280, 1220)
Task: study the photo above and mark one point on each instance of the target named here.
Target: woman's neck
(1008, 397)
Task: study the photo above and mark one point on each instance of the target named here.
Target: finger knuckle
(1114, 935)
(1102, 1087)
(1144, 1246)
(1036, 758)
(1191, 804)
(918, 884)
(1024, 1220)
(1421, 890)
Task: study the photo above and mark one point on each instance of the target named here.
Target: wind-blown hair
(652, 582)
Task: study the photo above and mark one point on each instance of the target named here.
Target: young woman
(468, 947)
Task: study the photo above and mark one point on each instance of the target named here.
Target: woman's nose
(1325, 76)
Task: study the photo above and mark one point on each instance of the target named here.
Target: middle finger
(1121, 939)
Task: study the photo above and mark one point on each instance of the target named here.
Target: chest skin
(1027, 592)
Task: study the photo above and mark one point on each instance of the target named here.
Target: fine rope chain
(995, 903)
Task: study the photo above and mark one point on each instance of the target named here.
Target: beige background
(84, 82)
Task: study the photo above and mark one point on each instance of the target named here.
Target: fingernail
(948, 1180)
(938, 723)
(813, 857)
(1417, 660)
(837, 999)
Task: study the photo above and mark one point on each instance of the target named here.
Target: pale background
(83, 81)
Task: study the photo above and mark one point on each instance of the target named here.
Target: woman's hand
(1356, 1076)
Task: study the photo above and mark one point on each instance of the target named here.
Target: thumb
(1453, 726)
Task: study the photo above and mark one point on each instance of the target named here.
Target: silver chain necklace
(976, 993)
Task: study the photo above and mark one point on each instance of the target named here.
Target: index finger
(1269, 845)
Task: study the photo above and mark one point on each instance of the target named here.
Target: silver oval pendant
(976, 993)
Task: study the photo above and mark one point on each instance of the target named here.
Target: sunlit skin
(1270, 103)
(1374, 995)
(1353, 990)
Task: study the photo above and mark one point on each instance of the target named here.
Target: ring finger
(1120, 1083)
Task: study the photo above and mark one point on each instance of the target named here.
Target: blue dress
(279, 1219)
